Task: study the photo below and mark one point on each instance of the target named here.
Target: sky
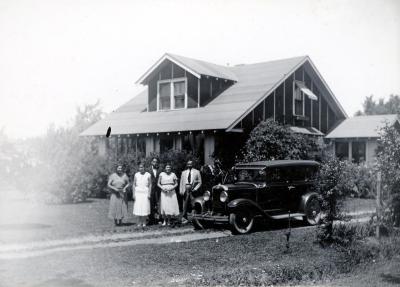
(58, 55)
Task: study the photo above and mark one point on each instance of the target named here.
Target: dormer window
(172, 94)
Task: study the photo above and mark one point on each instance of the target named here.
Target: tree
(271, 140)
(68, 165)
(371, 107)
(388, 156)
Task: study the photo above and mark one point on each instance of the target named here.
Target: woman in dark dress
(117, 183)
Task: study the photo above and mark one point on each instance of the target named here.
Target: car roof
(277, 163)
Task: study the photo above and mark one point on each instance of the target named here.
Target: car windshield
(249, 175)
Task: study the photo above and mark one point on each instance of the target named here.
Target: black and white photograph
(199, 143)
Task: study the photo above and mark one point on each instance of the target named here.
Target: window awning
(307, 131)
(306, 90)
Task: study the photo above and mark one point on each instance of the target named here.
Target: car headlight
(223, 196)
(206, 195)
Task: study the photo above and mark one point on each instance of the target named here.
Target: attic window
(172, 94)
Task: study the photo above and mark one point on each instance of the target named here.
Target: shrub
(332, 184)
(388, 156)
(98, 173)
(271, 140)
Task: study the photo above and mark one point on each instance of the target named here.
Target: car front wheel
(241, 222)
(312, 212)
(199, 224)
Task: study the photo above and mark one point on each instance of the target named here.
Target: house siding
(317, 113)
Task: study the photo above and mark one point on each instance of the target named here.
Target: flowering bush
(271, 140)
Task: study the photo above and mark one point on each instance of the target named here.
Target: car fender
(305, 198)
(242, 203)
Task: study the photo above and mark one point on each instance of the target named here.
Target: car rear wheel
(241, 222)
(312, 212)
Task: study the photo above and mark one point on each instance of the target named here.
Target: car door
(301, 181)
(271, 198)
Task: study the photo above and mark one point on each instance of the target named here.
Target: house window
(342, 150)
(172, 94)
(164, 96)
(298, 102)
(179, 95)
(358, 151)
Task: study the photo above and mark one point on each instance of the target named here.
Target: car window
(277, 175)
(291, 174)
(249, 175)
(311, 173)
(297, 173)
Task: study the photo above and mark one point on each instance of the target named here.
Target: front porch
(201, 143)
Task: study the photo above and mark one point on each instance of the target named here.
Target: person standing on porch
(167, 183)
(155, 191)
(142, 187)
(190, 183)
(117, 183)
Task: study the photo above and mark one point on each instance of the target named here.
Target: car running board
(285, 216)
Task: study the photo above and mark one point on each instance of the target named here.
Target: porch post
(177, 143)
(149, 145)
(157, 144)
(102, 146)
(209, 147)
(350, 150)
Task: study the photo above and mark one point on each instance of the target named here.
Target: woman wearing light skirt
(167, 182)
(142, 186)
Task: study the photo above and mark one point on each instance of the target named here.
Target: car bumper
(211, 218)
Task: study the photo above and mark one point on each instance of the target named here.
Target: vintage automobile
(272, 190)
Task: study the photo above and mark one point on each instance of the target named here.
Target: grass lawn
(359, 205)
(382, 273)
(24, 221)
(257, 259)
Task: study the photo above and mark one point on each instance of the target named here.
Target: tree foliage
(270, 140)
(388, 155)
(65, 163)
(380, 107)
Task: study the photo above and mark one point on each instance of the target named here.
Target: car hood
(239, 185)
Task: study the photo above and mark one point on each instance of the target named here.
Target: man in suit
(155, 191)
(190, 184)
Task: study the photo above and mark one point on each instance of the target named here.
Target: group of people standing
(154, 193)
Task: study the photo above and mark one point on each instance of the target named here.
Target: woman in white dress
(142, 186)
(167, 182)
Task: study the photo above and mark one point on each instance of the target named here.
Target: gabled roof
(254, 83)
(195, 67)
(362, 126)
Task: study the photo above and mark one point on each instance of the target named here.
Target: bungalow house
(195, 105)
(356, 139)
